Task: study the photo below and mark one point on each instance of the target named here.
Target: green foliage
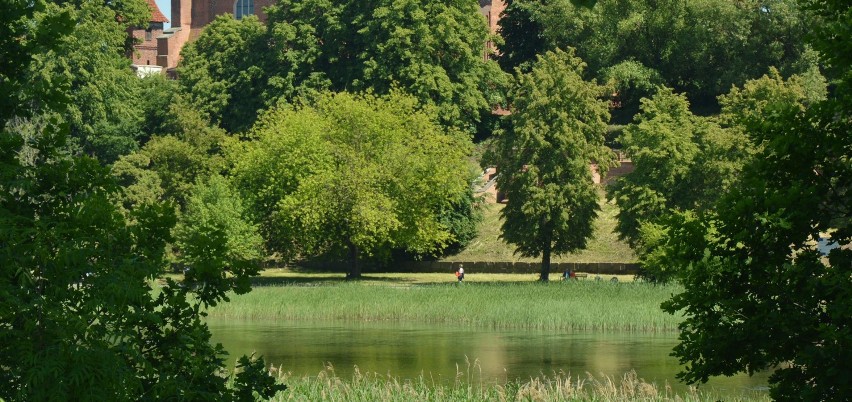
(218, 247)
(77, 309)
(104, 111)
(78, 316)
(758, 294)
(685, 163)
(352, 174)
(758, 289)
(223, 71)
(462, 218)
(167, 167)
(253, 379)
(523, 36)
(236, 68)
(557, 131)
(700, 47)
(682, 163)
(760, 98)
(630, 81)
(27, 28)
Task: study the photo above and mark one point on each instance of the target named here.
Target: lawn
(604, 247)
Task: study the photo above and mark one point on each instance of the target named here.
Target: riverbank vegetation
(328, 386)
(572, 305)
(106, 180)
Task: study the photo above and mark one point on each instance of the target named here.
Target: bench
(577, 275)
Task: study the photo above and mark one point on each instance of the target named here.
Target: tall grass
(575, 305)
(327, 386)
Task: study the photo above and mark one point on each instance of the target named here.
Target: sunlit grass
(327, 386)
(573, 305)
(604, 247)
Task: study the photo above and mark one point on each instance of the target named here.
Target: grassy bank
(327, 386)
(604, 247)
(577, 305)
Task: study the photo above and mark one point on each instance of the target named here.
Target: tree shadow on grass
(307, 280)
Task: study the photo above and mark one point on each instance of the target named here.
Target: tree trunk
(354, 268)
(545, 263)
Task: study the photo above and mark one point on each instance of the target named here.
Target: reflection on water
(441, 352)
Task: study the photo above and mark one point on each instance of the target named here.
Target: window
(243, 8)
(148, 34)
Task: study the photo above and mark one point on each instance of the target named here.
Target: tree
(218, 247)
(684, 163)
(104, 111)
(357, 175)
(697, 47)
(757, 293)
(224, 72)
(681, 162)
(236, 67)
(556, 132)
(523, 36)
(186, 150)
(79, 316)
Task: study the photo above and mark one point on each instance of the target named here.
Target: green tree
(700, 47)
(685, 163)
(556, 132)
(104, 111)
(167, 167)
(79, 316)
(681, 161)
(758, 294)
(224, 73)
(218, 247)
(523, 35)
(353, 175)
(236, 68)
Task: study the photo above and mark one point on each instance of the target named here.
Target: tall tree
(523, 35)
(357, 175)
(556, 132)
(224, 73)
(236, 67)
(78, 314)
(699, 47)
(684, 163)
(758, 294)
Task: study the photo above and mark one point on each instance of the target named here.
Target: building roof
(156, 14)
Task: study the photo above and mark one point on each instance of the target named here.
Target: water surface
(441, 353)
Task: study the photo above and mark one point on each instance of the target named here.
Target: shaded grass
(327, 386)
(576, 305)
(287, 276)
(604, 247)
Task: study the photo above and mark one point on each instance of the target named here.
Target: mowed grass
(573, 305)
(604, 247)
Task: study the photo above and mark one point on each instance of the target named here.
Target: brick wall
(145, 52)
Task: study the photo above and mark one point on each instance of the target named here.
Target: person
(460, 272)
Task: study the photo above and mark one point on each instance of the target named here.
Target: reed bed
(327, 386)
(574, 305)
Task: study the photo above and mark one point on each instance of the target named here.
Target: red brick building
(144, 55)
(189, 17)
